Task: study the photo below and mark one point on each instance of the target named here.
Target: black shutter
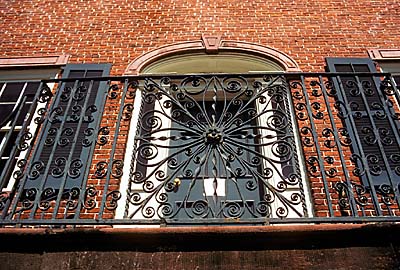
(370, 120)
(73, 118)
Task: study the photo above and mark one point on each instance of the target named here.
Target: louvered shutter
(66, 146)
(370, 121)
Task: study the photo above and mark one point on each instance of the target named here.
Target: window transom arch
(213, 47)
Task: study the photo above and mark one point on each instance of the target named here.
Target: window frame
(129, 165)
(26, 75)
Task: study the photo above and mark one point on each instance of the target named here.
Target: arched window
(204, 63)
(213, 138)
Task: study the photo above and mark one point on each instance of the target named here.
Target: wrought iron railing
(203, 149)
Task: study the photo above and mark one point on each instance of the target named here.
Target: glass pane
(397, 80)
(31, 90)
(2, 164)
(23, 114)
(12, 92)
(5, 111)
(11, 143)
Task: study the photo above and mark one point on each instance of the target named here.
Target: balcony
(209, 149)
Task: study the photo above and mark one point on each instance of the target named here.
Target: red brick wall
(119, 31)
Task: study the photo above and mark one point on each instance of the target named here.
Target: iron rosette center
(213, 136)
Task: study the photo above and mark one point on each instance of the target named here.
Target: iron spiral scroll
(215, 147)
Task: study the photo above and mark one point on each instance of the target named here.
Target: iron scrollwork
(215, 147)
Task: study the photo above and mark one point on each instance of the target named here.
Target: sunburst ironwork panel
(215, 147)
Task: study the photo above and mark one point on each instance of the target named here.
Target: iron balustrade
(265, 148)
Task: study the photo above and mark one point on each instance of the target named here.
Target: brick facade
(118, 32)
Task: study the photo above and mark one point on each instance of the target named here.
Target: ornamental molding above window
(212, 45)
(384, 54)
(22, 61)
